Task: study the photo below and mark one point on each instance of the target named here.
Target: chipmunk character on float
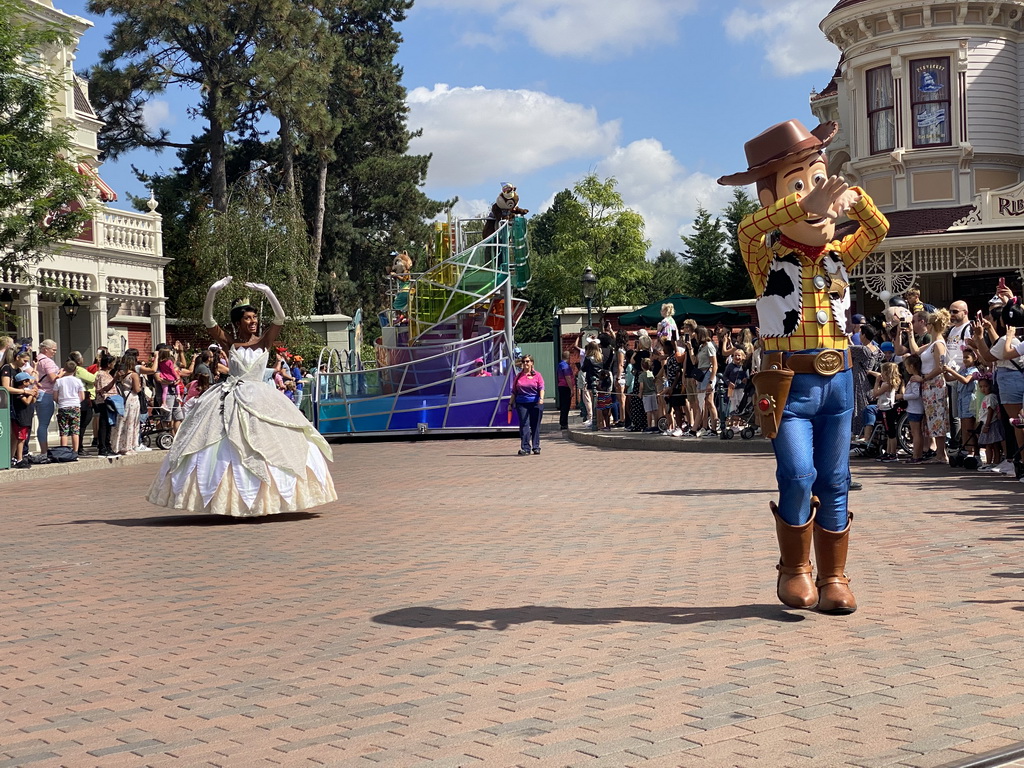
(401, 265)
(504, 209)
(805, 387)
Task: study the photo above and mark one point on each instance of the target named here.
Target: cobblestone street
(461, 605)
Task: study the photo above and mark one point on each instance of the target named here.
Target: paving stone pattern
(464, 606)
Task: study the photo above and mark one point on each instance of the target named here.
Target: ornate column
(158, 321)
(98, 322)
(28, 315)
(51, 329)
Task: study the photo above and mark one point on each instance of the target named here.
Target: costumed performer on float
(244, 449)
(805, 386)
(505, 208)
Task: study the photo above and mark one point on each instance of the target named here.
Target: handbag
(61, 454)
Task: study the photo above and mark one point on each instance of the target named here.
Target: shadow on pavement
(502, 618)
(170, 521)
(705, 492)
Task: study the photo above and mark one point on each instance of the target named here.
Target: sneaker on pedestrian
(587, 424)
(536, 451)
(677, 432)
(523, 453)
(142, 448)
(711, 433)
(1006, 468)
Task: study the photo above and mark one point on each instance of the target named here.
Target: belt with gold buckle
(828, 362)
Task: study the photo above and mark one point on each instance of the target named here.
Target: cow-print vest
(780, 306)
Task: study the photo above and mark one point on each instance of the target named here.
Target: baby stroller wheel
(147, 440)
(165, 440)
(747, 433)
(971, 462)
(663, 423)
(728, 434)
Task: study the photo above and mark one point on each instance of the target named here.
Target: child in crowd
(965, 383)
(991, 435)
(737, 379)
(291, 390)
(915, 406)
(196, 387)
(887, 390)
(23, 410)
(649, 394)
(69, 392)
(167, 377)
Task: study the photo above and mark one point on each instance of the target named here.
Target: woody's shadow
(500, 619)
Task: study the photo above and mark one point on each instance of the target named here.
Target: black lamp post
(70, 307)
(6, 300)
(589, 285)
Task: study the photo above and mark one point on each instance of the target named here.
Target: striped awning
(107, 194)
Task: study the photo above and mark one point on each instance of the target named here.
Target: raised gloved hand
(211, 295)
(271, 299)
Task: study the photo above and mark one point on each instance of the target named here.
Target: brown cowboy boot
(795, 586)
(830, 548)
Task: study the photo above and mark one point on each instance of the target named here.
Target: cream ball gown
(245, 450)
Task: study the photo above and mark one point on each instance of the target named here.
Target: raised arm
(215, 331)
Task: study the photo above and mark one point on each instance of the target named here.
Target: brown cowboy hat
(770, 150)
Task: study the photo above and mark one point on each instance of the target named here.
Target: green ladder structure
(470, 278)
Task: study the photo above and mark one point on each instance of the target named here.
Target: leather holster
(772, 387)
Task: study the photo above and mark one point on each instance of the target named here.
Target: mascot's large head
(401, 264)
(509, 198)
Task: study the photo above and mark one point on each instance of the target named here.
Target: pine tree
(738, 285)
(704, 260)
(40, 185)
(667, 276)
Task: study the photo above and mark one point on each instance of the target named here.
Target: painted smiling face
(801, 176)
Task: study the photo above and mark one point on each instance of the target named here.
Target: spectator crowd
(112, 406)
(930, 383)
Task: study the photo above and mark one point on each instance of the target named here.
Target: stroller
(745, 412)
(875, 445)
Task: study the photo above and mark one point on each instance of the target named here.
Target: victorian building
(106, 287)
(929, 96)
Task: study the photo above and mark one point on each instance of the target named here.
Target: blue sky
(660, 94)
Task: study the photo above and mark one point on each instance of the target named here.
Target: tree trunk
(218, 152)
(287, 156)
(318, 216)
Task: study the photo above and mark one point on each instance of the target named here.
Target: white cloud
(788, 31)
(156, 113)
(580, 28)
(476, 134)
(654, 184)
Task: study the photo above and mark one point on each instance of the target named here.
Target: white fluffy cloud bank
(477, 134)
(654, 184)
(578, 28)
(788, 32)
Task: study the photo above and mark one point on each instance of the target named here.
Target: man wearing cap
(805, 387)
(856, 322)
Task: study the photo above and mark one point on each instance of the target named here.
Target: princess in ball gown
(244, 449)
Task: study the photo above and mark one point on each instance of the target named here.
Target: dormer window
(881, 110)
(930, 102)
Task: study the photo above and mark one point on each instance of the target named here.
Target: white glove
(271, 299)
(211, 295)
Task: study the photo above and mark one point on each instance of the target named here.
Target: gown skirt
(245, 450)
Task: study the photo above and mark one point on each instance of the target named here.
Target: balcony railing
(127, 231)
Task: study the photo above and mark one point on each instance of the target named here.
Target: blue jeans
(44, 412)
(812, 449)
(529, 425)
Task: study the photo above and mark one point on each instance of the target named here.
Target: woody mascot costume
(805, 386)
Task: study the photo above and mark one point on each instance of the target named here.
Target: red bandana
(812, 252)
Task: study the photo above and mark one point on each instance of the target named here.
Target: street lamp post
(589, 284)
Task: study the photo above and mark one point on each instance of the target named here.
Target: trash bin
(5, 430)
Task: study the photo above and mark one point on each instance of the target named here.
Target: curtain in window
(881, 116)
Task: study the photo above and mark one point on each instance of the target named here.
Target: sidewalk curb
(631, 441)
(85, 464)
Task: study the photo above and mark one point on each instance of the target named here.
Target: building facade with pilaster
(929, 96)
(114, 269)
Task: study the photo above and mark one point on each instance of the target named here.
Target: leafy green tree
(205, 45)
(591, 226)
(667, 276)
(40, 182)
(705, 263)
(261, 238)
(373, 191)
(738, 285)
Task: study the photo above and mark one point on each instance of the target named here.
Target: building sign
(996, 208)
(930, 102)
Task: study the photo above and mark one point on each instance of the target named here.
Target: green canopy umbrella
(687, 307)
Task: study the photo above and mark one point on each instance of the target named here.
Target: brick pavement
(460, 605)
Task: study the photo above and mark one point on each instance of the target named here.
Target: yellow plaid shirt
(809, 334)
